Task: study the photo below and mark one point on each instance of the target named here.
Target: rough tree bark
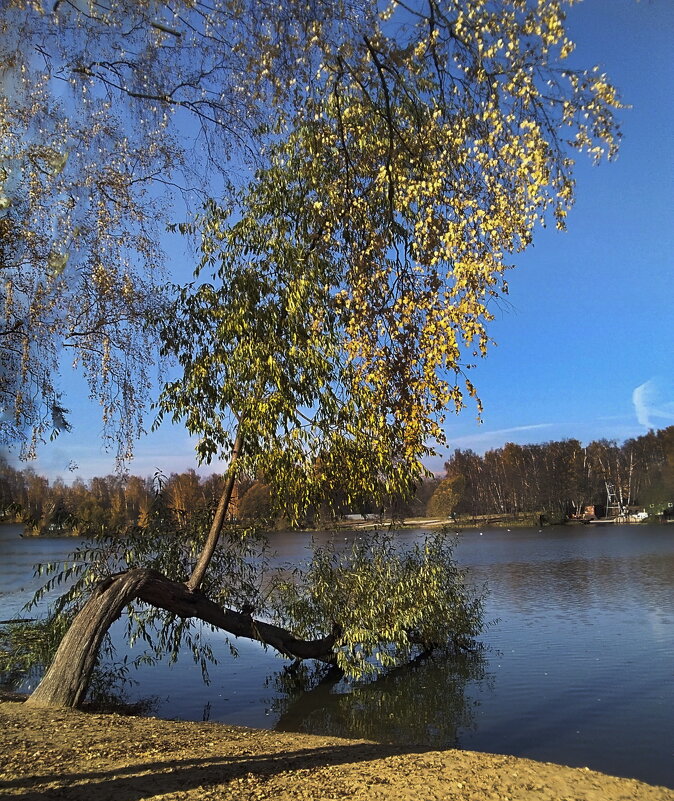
(66, 681)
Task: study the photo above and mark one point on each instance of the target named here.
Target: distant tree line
(558, 479)
(109, 502)
(117, 502)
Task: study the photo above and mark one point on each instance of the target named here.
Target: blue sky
(585, 339)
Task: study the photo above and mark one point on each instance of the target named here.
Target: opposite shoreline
(73, 755)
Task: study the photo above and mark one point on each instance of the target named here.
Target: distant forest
(561, 479)
(558, 479)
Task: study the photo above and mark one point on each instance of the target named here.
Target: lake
(578, 669)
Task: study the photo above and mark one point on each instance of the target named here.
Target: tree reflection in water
(421, 703)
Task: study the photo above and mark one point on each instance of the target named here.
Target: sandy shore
(75, 755)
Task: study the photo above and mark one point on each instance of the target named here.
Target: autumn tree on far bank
(446, 497)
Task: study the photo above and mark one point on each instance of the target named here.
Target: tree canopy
(406, 150)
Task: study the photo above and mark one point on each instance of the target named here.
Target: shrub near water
(385, 600)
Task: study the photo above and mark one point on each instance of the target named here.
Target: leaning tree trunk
(67, 679)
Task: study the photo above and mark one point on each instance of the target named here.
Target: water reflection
(564, 571)
(422, 703)
(582, 585)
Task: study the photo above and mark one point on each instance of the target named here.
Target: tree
(400, 157)
(183, 493)
(656, 470)
(256, 503)
(170, 93)
(446, 496)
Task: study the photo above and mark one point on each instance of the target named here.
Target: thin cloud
(496, 436)
(653, 402)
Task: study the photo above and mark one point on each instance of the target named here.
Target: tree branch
(175, 597)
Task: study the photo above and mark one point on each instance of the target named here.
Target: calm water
(579, 668)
